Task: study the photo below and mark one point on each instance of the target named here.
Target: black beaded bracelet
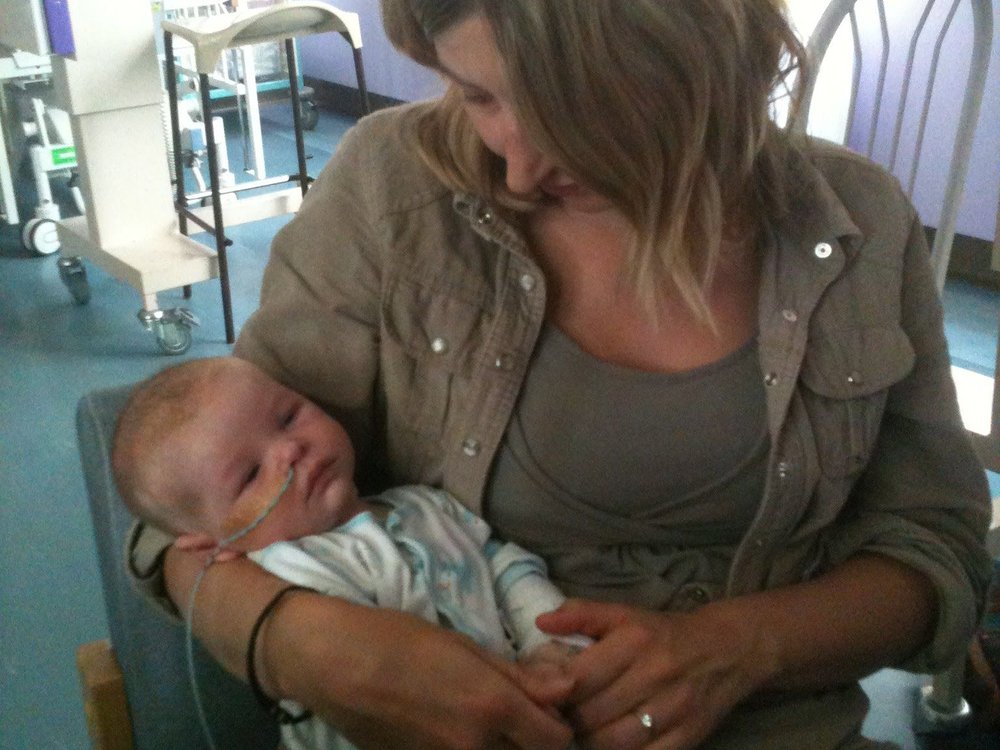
(271, 706)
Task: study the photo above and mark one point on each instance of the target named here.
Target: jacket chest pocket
(432, 338)
(845, 380)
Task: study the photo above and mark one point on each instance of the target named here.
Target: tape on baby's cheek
(244, 519)
(251, 508)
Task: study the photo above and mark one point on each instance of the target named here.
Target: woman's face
(469, 58)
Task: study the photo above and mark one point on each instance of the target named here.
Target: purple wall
(392, 75)
(386, 71)
(977, 215)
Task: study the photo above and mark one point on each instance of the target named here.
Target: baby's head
(202, 448)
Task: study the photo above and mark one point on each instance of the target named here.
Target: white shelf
(155, 264)
(210, 35)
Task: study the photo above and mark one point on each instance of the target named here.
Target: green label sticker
(63, 156)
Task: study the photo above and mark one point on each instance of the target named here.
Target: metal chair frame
(942, 705)
(839, 11)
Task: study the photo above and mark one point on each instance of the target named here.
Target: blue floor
(971, 318)
(52, 351)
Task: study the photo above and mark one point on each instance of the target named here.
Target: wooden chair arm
(104, 699)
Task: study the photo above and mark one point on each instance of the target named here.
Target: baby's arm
(523, 592)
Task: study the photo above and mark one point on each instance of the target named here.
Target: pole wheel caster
(171, 327)
(173, 338)
(74, 276)
(310, 114)
(40, 236)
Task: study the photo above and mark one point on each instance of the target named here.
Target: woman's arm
(870, 612)
(688, 671)
(383, 678)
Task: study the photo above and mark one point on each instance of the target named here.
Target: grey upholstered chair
(136, 688)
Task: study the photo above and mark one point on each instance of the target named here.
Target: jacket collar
(816, 213)
(490, 223)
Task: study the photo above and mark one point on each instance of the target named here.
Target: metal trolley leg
(220, 230)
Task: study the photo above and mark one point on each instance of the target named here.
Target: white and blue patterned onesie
(431, 557)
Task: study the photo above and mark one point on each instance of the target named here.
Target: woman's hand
(655, 680)
(683, 673)
(384, 678)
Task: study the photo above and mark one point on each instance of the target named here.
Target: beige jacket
(412, 313)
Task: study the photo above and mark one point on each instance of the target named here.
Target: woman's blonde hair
(662, 106)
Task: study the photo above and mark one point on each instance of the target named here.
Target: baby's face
(237, 453)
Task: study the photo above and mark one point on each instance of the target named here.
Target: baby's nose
(287, 452)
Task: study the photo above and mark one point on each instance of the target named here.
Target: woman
(598, 296)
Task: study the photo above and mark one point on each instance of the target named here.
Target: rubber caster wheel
(74, 276)
(174, 338)
(40, 236)
(171, 327)
(310, 114)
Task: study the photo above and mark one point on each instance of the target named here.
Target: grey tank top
(634, 486)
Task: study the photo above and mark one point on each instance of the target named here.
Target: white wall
(829, 111)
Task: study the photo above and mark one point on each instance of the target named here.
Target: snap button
(770, 379)
(527, 282)
(698, 594)
(790, 315)
(485, 217)
(503, 362)
(471, 447)
(439, 345)
(823, 250)
(855, 378)
(782, 469)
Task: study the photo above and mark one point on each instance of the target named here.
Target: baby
(210, 448)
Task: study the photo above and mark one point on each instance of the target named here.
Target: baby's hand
(548, 659)
(546, 664)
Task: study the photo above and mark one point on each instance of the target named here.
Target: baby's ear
(195, 542)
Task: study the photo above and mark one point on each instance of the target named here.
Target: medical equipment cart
(244, 78)
(132, 228)
(209, 36)
(41, 134)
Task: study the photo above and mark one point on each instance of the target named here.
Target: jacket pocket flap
(858, 362)
(440, 328)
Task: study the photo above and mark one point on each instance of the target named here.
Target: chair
(869, 115)
(866, 120)
(136, 689)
